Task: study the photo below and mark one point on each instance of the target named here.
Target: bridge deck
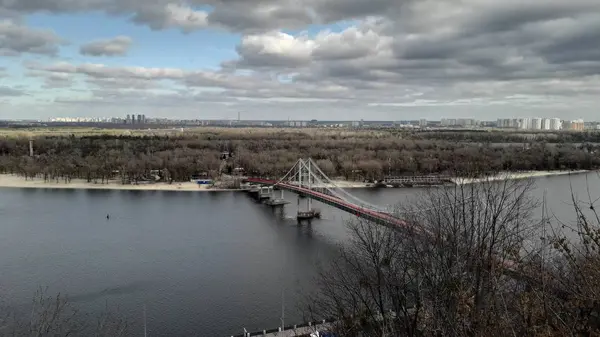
(382, 218)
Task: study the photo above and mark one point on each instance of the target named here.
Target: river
(203, 264)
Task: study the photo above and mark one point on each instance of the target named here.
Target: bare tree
(447, 273)
(55, 316)
(572, 268)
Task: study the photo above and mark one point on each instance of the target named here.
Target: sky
(300, 59)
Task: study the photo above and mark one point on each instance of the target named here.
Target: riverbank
(14, 181)
(515, 176)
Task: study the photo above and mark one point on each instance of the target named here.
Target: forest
(344, 154)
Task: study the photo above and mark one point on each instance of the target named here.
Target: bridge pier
(276, 202)
(309, 214)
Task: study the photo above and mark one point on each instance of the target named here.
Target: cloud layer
(538, 56)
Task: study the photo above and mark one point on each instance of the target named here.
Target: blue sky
(303, 59)
(166, 48)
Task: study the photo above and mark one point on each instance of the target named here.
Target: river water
(203, 264)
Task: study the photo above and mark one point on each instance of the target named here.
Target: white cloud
(275, 49)
(117, 46)
(171, 15)
(16, 39)
(427, 54)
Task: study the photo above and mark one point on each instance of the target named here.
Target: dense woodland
(353, 155)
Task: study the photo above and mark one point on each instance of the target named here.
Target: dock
(302, 330)
(409, 181)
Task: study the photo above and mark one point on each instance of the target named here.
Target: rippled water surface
(203, 264)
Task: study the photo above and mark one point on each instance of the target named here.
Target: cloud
(171, 16)
(16, 39)
(261, 16)
(102, 71)
(379, 54)
(11, 92)
(275, 49)
(53, 80)
(117, 46)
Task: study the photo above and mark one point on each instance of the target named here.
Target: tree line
(270, 153)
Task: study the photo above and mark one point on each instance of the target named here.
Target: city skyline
(443, 120)
(274, 59)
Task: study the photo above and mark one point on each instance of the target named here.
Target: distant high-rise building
(127, 121)
(447, 122)
(524, 123)
(555, 124)
(506, 123)
(546, 124)
(576, 125)
(422, 122)
(536, 123)
(139, 119)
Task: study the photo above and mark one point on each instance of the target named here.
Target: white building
(524, 123)
(297, 124)
(546, 124)
(555, 124)
(536, 123)
(448, 122)
(466, 122)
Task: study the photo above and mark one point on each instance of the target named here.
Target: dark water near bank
(203, 264)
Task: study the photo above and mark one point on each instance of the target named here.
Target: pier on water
(302, 176)
(309, 329)
(417, 180)
(276, 200)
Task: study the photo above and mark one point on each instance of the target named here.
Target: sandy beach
(14, 181)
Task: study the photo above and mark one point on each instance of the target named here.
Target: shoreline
(517, 176)
(14, 181)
